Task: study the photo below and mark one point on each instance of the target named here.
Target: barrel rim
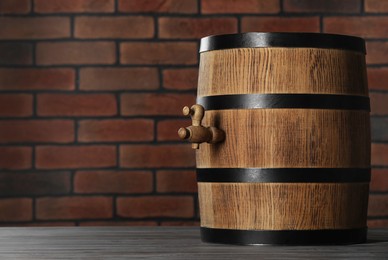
(282, 39)
(285, 100)
(284, 175)
(284, 237)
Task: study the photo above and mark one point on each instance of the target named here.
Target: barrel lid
(282, 39)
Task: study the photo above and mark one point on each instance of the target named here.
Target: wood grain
(282, 70)
(272, 138)
(285, 138)
(283, 206)
(162, 243)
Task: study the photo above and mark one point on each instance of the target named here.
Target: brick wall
(91, 93)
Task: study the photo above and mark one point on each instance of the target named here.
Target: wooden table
(162, 243)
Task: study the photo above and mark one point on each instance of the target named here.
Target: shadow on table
(377, 240)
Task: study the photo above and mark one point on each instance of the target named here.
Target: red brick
(15, 209)
(54, 53)
(113, 182)
(180, 79)
(34, 27)
(158, 6)
(240, 6)
(379, 126)
(15, 6)
(180, 223)
(118, 27)
(74, 208)
(155, 104)
(377, 52)
(378, 205)
(27, 131)
(37, 79)
(118, 223)
(43, 224)
(376, 6)
(119, 79)
(367, 27)
(193, 28)
(15, 105)
(378, 223)
(148, 156)
(379, 180)
(176, 181)
(168, 129)
(156, 206)
(378, 78)
(15, 53)
(280, 24)
(159, 53)
(35, 183)
(379, 154)
(116, 130)
(327, 6)
(76, 105)
(59, 157)
(74, 6)
(15, 158)
(379, 104)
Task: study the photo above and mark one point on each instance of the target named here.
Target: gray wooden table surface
(162, 243)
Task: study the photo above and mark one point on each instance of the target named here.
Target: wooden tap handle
(196, 112)
(187, 111)
(196, 133)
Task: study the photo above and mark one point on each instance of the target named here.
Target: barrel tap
(196, 133)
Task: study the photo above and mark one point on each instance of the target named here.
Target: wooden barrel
(294, 167)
